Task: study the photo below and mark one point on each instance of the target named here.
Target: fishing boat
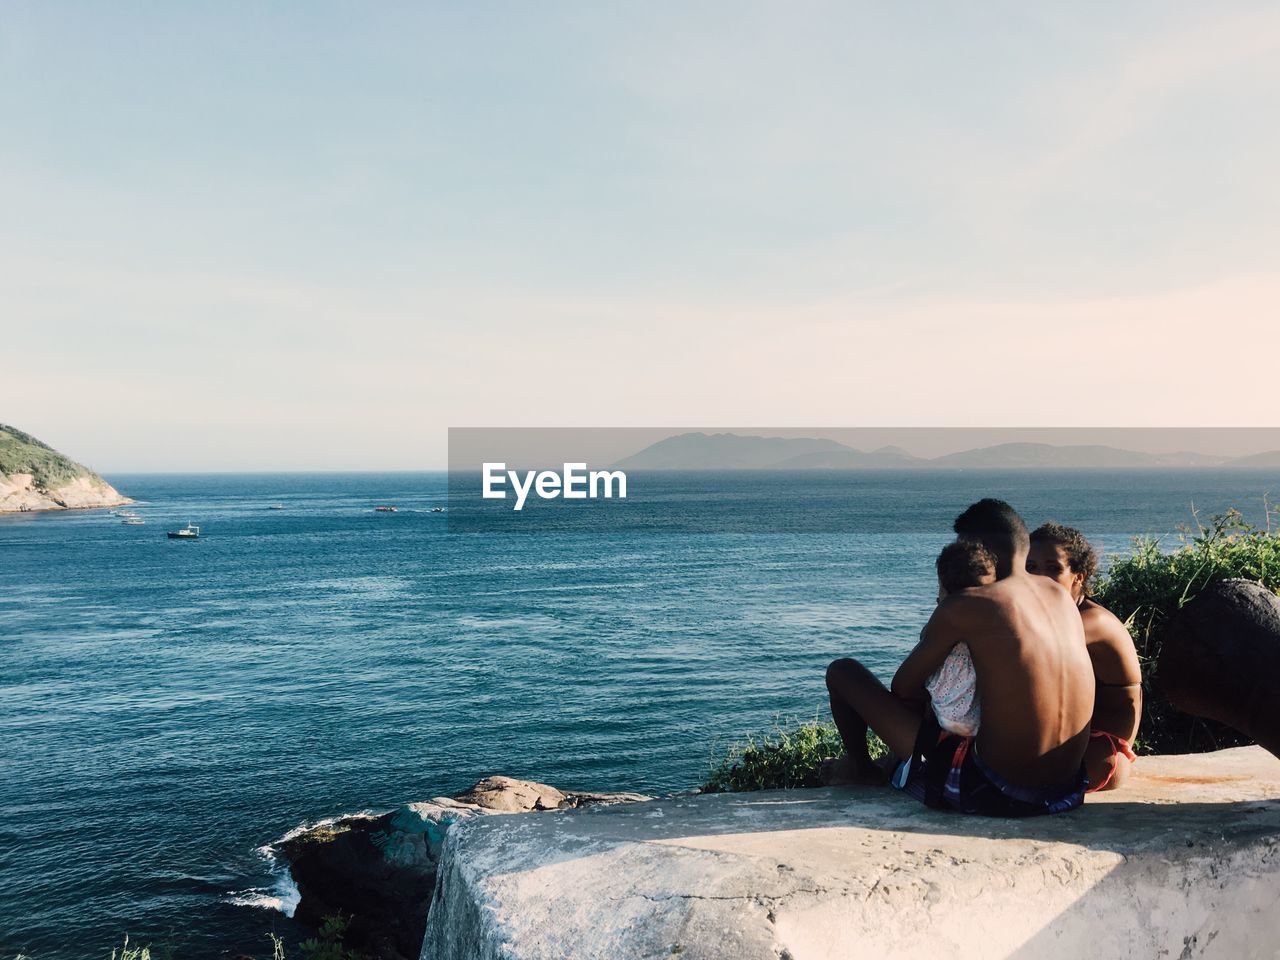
(190, 532)
(133, 521)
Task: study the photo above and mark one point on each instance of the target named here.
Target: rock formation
(380, 870)
(1182, 862)
(1221, 659)
(34, 476)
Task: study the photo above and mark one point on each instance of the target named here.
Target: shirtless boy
(1035, 683)
(1063, 554)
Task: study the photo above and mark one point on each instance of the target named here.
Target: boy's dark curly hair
(996, 524)
(965, 563)
(1081, 556)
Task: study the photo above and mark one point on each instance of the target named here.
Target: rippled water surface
(168, 708)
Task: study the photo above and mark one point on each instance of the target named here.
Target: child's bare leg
(858, 698)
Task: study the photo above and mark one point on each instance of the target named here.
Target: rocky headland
(34, 476)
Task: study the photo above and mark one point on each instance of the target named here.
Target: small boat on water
(190, 532)
(384, 509)
(437, 509)
(133, 521)
(276, 506)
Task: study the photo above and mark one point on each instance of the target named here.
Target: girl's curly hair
(1081, 556)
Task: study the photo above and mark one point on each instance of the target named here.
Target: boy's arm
(940, 634)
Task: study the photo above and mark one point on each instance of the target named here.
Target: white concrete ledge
(1182, 863)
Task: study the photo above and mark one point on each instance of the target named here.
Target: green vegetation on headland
(1144, 589)
(34, 476)
(22, 453)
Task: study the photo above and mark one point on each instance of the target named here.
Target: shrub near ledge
(787, 758)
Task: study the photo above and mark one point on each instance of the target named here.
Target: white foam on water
(283, 895)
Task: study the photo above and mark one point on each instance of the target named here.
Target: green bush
(784, 759)
(329, 944)
(1146, 588)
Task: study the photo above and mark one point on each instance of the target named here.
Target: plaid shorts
(945, 772)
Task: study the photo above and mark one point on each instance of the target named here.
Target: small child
(953, 688)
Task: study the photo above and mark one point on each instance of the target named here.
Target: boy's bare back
(1034, 676)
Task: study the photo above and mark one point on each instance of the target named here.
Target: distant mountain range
(731, 451)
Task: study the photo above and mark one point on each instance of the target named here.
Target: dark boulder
(1220, 659)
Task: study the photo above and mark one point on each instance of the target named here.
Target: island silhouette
(731, 451)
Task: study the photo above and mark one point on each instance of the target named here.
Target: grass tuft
(326, 945)
(127, 952)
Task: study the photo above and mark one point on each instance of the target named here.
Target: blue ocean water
(167, 708)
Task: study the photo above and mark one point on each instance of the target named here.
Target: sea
(170, 710)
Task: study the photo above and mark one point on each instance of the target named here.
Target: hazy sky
(315, 235)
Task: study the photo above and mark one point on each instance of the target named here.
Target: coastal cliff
(34, 476)
(1183, 862)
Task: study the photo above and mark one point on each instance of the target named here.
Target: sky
(317, 235)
